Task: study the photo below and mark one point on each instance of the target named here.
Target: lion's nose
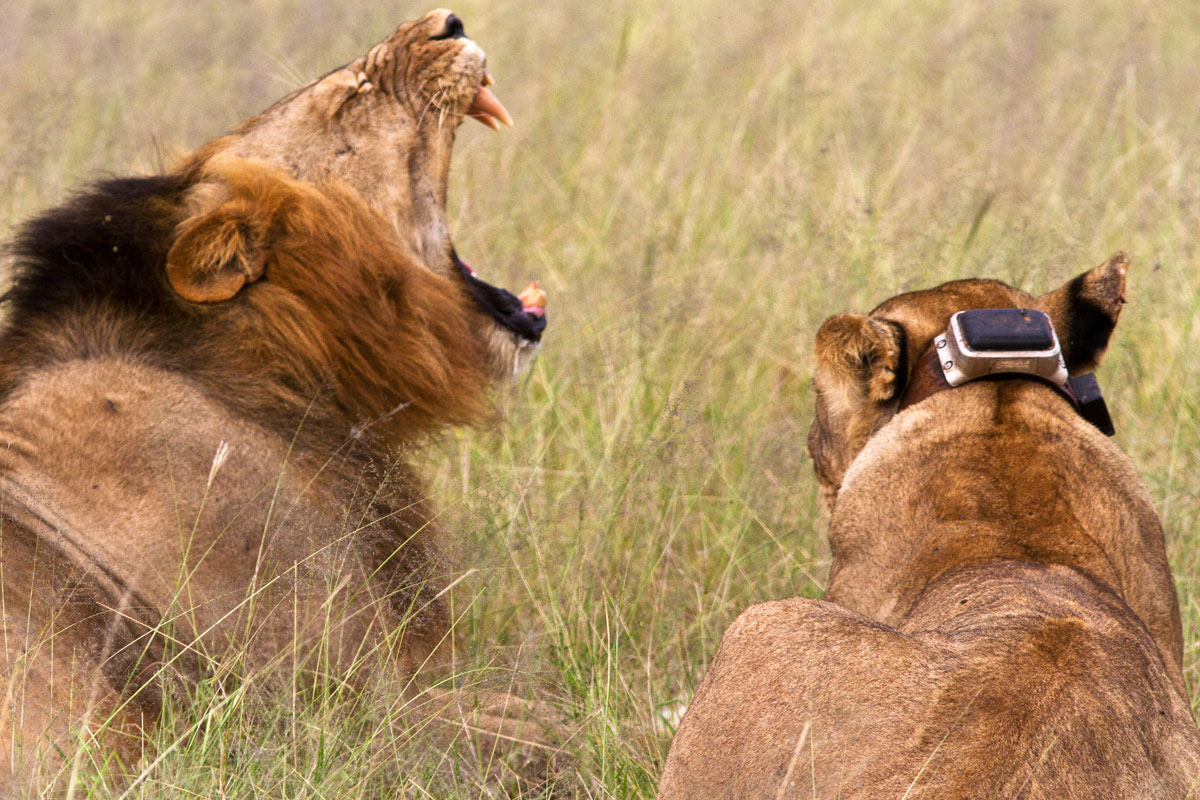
(454, 29)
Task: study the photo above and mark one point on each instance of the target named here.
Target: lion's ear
(218, 252)
(1085, 311)
(859, 359)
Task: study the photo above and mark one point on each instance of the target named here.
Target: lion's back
(125, 451)
(147, 486)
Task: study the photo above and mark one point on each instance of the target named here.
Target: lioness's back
(974, 699)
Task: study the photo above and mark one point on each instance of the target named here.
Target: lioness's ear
(859, 358)
(219, 252)
(1085, 311)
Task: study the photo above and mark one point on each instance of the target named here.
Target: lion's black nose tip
(454, 29)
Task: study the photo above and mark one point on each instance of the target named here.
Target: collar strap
(1082, 392)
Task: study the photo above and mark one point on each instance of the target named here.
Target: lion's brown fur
(1001, 618)
(375, 332)
(343, 328)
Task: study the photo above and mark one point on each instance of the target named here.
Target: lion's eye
(454, 29)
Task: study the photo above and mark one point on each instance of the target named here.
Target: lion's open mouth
(524, 314)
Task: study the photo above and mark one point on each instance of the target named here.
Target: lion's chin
(510, 354)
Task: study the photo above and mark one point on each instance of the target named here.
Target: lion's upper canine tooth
(488, 110)
(488, 80)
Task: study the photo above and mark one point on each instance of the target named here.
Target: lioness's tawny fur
(1000, 617)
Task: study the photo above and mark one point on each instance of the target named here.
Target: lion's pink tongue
(488, 110)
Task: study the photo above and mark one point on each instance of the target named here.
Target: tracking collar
(1003, 344)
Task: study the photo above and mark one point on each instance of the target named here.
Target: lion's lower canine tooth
(533, 296)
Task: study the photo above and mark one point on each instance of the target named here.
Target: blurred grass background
(698, 185)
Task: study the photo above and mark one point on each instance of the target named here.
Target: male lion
(207, 382)
(1001, 618)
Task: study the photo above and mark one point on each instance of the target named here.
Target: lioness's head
(385, 125)
(863, 364)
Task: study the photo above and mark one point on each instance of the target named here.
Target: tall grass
(698, 185)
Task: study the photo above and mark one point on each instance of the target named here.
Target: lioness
(1001, 618)
(208, 380)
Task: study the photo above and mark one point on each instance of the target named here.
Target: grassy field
(698, 184)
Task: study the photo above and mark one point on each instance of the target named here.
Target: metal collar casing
(960, 363)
